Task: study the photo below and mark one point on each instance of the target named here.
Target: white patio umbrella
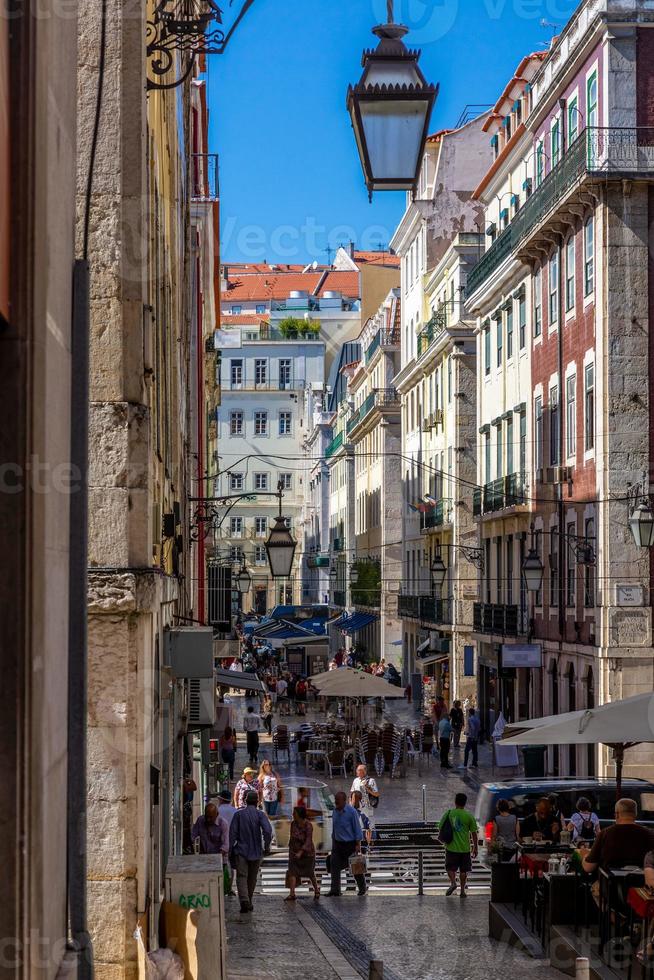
(349, 683)
(619, 724)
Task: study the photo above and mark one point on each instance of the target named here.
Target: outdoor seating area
(337, 749)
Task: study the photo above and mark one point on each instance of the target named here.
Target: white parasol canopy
(346, 682)
(620, 724)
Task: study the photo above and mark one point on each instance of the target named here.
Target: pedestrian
(226, 811)
(346, 841)
(463, 845)
(367, 824)
(271, 684)
(472, 739)
(250, 836)
(271, 788)
(366, 785)
(227, 746)
(282, 695)
(291, 689)
(268, 713)
(212, 832)
(408, 693)
(505, 831)
(438, 709)
(444, 736)
(584, 823)
(246, 784)
(456, 720)
(252, 727)
(301, 696)
(301, 854)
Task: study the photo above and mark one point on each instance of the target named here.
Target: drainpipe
(563, 553)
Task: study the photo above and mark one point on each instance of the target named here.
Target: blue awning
(353, 622)
(282, 630)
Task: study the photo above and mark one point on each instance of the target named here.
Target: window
(522, 319)
(261, 526)
(570, 273)
(573, 121)
(571, 416)
(540, 163)
(487, 349)
(236, 554)
(261, 423)
(555, 155)
(260, 481)
(286, 480)
(509, 446)
(523, 442)
(538, 303)
(235, 481)
(589, 407)
(538, 546)
(260, 371)
(449, 379)
(538, 433)
(237, 309)
(509, 331)
(236, 423)
(589, 570)
(509, 570)
(555, 425)
(487, 458)
(284, 372)
(285, 423)
(260, 554)
(571, 566)
(261, 308)
(499, 447)
(500, 340)
(589, 256)
(591, 116)
(236, 372)
(236, 526)
(554, 567)
(554, 289)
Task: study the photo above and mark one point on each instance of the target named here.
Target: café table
(533, 859)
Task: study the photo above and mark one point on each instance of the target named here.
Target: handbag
(358, 864)
(446, 831)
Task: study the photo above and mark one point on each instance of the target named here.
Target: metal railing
(383, 338)
(427, 608)
(507, 491)
(438, 515)
(204, 177)
(434, 327)
(334, 445)
(379, 398)
(496, 619)
(596, 152)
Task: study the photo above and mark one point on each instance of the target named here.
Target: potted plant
(290, 327)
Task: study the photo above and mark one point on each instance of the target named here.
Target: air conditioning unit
(201, 702)
(438, 416)
(555, 474)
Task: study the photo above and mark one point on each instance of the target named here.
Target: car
(523, 794)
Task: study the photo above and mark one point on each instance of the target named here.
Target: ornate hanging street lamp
(390, 107)
(641, 522)
(243, 580)
(532, 567)
(280, 546)
(438, 571)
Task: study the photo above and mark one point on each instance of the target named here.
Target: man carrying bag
(458, 832)
(347, 835)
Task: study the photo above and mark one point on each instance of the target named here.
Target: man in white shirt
(366, 785)
(282, 696)
(251, 727)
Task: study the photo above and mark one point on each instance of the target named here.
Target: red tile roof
(377, 258)
(243, 319)
(252, 268)
(249, 288)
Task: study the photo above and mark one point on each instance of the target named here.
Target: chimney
(352, 250)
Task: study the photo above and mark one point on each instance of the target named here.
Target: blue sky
(290, 179)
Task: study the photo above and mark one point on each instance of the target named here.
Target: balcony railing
(383, 338)
(495, 619)
(602, 152)
(438, 515)
(334, 445)
(434, 328)
(379, 398)
(426, 608)
(508, 491)
(337, 544)
(204, 176)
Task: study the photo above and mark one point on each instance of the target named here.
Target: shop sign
(522, 655)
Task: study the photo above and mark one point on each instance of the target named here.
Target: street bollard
(424, 803)
(582, 968)
(376, 971)
(421, 880)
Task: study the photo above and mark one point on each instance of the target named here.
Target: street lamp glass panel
(438, 572)
(280, 548)
(532, 569)
(243, 581)
(641, 523)
(354, 575)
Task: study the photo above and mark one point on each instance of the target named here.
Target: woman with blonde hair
(271, 787)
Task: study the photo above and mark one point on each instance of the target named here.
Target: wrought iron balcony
(607, 152)
(379, 398)
(496, 619)
(434, 328)
(383, 338)
(508, 491)
(204, 177)
(334, 445)
(337, 544)
(426, 608)
(438, 515)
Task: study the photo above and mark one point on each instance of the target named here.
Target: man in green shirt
(464, 839)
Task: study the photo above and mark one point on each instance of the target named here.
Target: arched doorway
(572, 706)
(591, 750)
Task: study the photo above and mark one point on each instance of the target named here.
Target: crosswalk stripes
(389, 871)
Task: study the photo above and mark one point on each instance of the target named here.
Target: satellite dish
(314, 264)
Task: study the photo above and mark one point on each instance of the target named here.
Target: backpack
(446, 831)
(587, 829)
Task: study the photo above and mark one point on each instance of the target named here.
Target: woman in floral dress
(301, 854)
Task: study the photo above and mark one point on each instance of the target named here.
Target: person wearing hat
(246, 784)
